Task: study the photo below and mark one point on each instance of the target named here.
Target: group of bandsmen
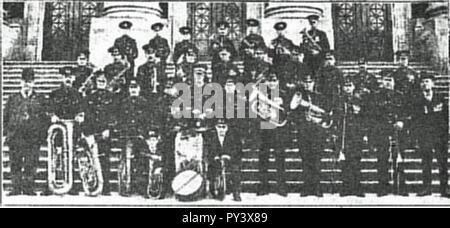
(396, 109)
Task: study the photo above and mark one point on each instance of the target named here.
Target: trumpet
(60, 170)
(314, 113)
(89, 164)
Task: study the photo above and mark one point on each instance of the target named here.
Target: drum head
(187, 183)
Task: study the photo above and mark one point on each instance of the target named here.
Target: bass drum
(188, 186)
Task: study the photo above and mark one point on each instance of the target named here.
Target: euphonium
(90, 168)
(60, 172)
(318, 116)
(267, 109)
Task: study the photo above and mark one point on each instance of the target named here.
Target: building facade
(50, 31)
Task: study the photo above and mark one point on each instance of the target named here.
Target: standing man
(65, 104)
(349, 121)
(316, 43)
(430, 121)
(116, 72)
(366, 83)
(220, 41)
(280, 48)
(185, 68)
(82, 71)
(160, 44)
(406, 79)
(151, 75)
(25, 130)
(127, 46)
(329, 77)
(100, 110)
(185, 46)
(294, 71)
(385, 120)
(224, 142)
(312, 112)
(271, 133)
(259, 67)
(250, 43)
(225, 67)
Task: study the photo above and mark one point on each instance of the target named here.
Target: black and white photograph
(225, 104)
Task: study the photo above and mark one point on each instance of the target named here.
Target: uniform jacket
(251, 41)
(430, 118)
(81, 74)
(221, 71)
(162, 47)
(182, 47)
(320, 37)
(219, 42)
(101, 111)
(231, 146)
(65, 102)
(146, 73)
(127, 45)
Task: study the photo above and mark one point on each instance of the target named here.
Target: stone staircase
(48, 79)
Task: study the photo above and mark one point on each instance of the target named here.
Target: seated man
(223, 142)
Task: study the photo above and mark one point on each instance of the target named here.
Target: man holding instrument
(316, 43)
(127, 46)
(151, 75)
(116, 71)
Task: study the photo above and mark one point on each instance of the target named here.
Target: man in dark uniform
(100, 114)
(329, 77)
(349, 120)
(271, 133)
(385, 116)
(249, 44)
(224, 68)
(259, 67)
(116, 72)
(133, 122)
(294, 70)
(220, 41)
(224, 142)
(185, 46)
(160, 44)
(316, 43)
(185, 69)
(430, 121)
(128, 47)
(311, 111)
(151, 75)
(65, 104)
(25, 129)
(82, 71)
(366, 83)
(280, 48)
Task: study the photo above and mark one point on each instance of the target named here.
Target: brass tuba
(267, 109)
(60, 170)
(89, 165)
(155, 185)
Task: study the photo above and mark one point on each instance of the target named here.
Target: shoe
(405, 194)
(46, 193)
(73, 193)
(262, 193)
(424, 193)
(360, 195)
(29, 193)
(305, 194)
(14, 193)
(282, 192)
(319, 194)
(381, 194)
(445, 194)
(237, 197)
(106, 193)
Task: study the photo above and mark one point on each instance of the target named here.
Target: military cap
(114, 50)
(329, 54)
(148, 48)
(362, 60)
(348, 80)
(66, 71)
(272, 75)
(426, 75)
(125, 25)
(280, 26)
(313, 17)
(307, 78)
(28, 74)
(84, 52)
(252, 23)
(133, 83)
(402, 53)
(158, 26)
(225, 48)
(154, 130)
(185, 30)
(200, 66)
(222, 24)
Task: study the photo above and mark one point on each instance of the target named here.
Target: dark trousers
(24, 160)
(233, 166)
(439, 145)
(314, 63)
(351, 167)
(104, 147)
(168, 161)
(271, 139)
(311, 147)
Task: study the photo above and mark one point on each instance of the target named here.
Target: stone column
(401, 16)
(437, 23)
(255, 11)
(178, 17)
(294, 14)
(34, 30)
(105, 30)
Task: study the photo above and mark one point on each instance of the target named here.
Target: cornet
(60, 170)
